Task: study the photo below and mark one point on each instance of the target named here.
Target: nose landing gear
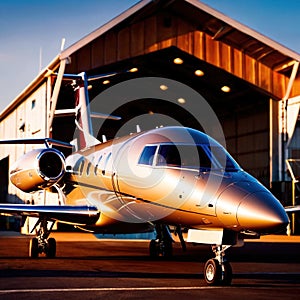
(218, 271)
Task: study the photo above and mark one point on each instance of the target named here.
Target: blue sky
(28, 28)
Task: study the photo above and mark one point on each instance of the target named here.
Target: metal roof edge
(30, 87)
(196, 3)
(245, 29)
(104, 28)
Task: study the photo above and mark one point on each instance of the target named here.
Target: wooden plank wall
(162, 31)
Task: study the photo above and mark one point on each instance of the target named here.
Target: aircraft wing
(80, 215)
(292, 209)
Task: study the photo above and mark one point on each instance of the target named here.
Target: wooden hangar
(251, 82)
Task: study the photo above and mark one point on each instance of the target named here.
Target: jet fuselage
(173, 175)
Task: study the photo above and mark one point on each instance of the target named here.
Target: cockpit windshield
(187, 156)
(200, 157)
(224, 160)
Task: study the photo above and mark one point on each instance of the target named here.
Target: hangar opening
(242, 109)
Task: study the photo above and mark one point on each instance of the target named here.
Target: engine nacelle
(38, 169)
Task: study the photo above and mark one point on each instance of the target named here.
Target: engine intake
(38, 169)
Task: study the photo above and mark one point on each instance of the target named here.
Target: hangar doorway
(242, 110)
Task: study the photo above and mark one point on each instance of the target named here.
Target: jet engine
(38, 169)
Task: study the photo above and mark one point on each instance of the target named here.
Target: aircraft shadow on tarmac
(136, 264)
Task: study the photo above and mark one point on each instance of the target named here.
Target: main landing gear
(162, 245)
(42, 243)
(217, 271)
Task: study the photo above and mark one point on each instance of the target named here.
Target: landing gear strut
(42, 243)
(217, 271)
(162, 245)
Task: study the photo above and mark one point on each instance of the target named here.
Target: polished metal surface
(171, 176)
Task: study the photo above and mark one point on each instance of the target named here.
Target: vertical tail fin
(83, 115)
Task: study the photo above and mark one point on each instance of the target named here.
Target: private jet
(170, 177)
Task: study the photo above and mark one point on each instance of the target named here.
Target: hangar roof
(217, 25)
(213, 23)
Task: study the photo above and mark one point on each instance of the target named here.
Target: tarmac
(89, 268)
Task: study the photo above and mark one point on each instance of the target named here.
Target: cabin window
(88, 168)
(97, 165)
(147, 155)
(187, 156)
(106, 162)
(78, 168)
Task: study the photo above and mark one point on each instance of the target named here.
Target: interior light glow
(178, 61)
(163, 87)
(132, 70)
(199, 73)
(181, 100)
(225, 89)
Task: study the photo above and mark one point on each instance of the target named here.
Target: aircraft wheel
(34, 248)
(227, 273)
(153, 248)
(212, 272)
(167, 250)
(51, 249)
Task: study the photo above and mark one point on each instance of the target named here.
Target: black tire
(34, 248)
(153, 249)
(227, 276)
(167, 250)
(51, 248)
(212, 272)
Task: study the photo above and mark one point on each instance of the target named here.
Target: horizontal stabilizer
(97, 115)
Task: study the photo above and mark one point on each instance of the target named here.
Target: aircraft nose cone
(262, 212)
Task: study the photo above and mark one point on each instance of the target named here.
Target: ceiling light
(181, 100)
(178, 61)
(106, 82)
(199, 73)
(132, 70)
(163, 87)
(225, 89)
